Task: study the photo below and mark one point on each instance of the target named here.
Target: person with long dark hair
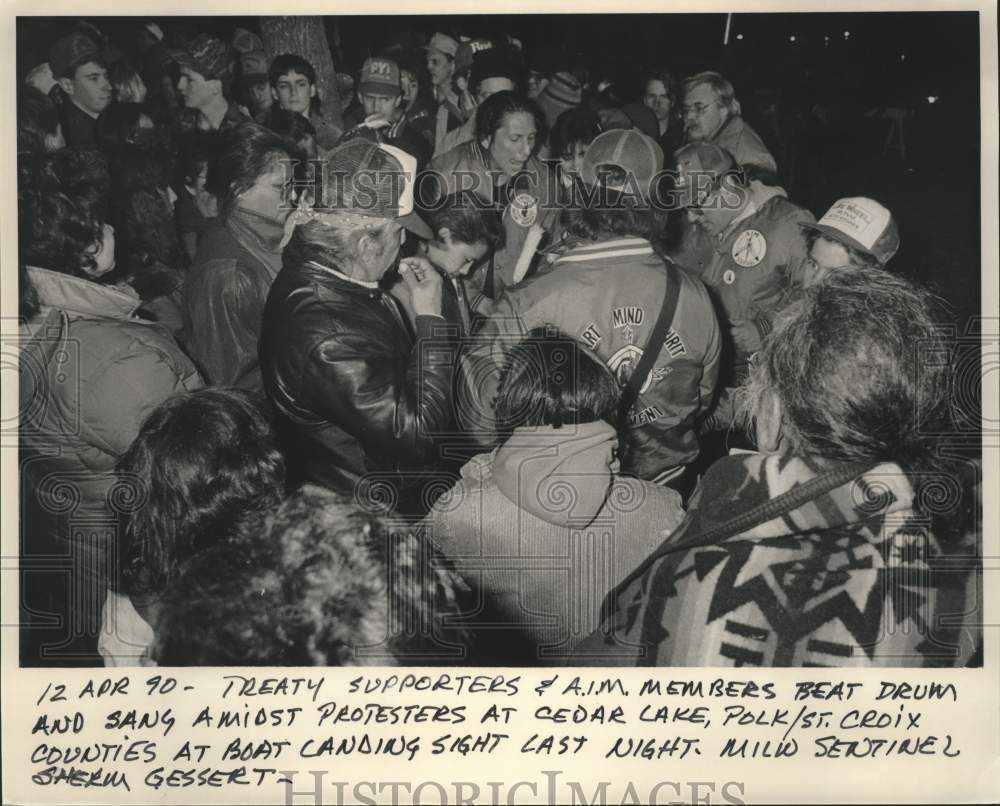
(90, 374)
(502, 167)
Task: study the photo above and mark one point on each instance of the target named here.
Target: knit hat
(379, 77)
(444, 43)
(253, 66)
(561, 93)
(70, 52)
(628, 149)
(862, 224)
(207, 56)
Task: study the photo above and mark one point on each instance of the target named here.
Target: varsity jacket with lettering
(608, 295)
(747, 267)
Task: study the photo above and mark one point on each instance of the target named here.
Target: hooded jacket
(853, 577)
(90, 373)
(608, 295)
(541, 528)
(225, 294)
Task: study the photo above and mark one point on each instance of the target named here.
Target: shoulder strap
(653, 345)
(762, 513)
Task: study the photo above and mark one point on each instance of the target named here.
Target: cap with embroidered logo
(862, 224)
(379, 77)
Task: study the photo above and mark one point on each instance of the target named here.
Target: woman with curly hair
(90, 372)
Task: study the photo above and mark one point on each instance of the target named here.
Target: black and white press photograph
(499, 340)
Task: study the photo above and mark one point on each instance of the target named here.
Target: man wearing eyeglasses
(712, 115)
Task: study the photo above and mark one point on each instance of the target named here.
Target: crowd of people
(475, 362)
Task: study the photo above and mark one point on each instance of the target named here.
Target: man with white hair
(359, 394)
(712, 115)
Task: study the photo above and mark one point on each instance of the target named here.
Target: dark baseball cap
(70, 52)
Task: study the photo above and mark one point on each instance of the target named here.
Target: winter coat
(740, 140)
(541, 530)
(90, 375)
(360, 396)
(608, 295)
(225, 294)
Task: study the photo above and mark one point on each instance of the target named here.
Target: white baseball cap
(862, 224)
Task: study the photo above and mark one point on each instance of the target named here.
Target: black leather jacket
(360, 397)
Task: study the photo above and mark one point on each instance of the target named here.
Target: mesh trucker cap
(374, 180)
(628, 149)
(863, 224)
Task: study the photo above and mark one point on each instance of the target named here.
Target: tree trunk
(306, 36)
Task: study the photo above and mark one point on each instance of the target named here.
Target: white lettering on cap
(863, 220)
(409, 164)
